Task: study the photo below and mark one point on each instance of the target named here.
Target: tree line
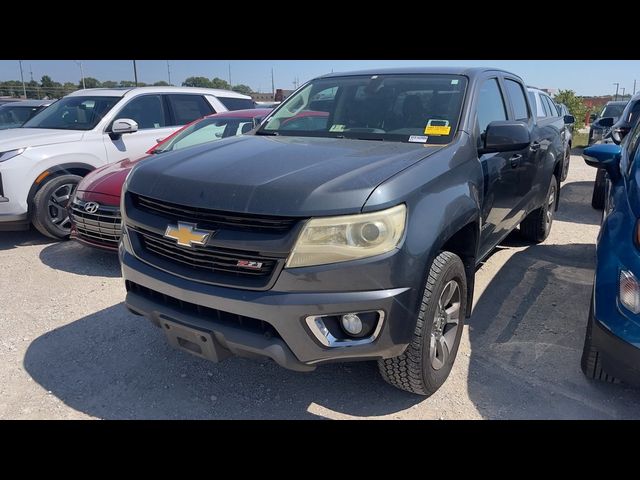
(47, 88)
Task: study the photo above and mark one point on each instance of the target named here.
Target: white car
(43, 161)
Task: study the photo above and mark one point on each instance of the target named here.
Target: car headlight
(4, 156)
(348, 237)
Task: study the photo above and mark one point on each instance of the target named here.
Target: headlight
(348, 237)
(4, 156)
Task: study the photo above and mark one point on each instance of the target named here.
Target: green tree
(68, 87)
(220, 83)
(127, 83)
(576, 106)
(202, 82)
(109, 84)
(50, 88)
(161, 83)
(33, 90)
(244, 89)
(90, 82)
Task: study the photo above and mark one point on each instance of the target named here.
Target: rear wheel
(50, 215)
(599, 190)
(537, 225)
(427, 361)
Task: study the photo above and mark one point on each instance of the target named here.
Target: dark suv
(355, 236)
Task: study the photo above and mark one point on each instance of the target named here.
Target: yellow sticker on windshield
(437, 130)
(337, 128)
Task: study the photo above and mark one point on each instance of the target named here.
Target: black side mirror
(569, 119)
(606, 122)
(592, 117)
(619, 131)
(504, 136)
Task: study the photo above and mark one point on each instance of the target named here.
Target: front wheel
(425, 364)
(50, 215)
(537, 225)
(565, 167)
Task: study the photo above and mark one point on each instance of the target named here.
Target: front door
(500, 170)
(152, 116)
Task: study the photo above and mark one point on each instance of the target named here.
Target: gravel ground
(69, 349)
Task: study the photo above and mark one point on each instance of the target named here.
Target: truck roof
(134, 91)
(467, 71)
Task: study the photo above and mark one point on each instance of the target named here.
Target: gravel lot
(69, 349)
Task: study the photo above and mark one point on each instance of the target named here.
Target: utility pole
(81, 73)
(229, 75)
(24, 89)
(273, 85)
(617, 86)
(634, 87)
(169, 72)
(623, 89)
(31, 72)
(135, 73)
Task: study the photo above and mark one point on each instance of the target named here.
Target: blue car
(612, 343)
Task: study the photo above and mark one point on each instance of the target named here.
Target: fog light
(629, 291)
(351, 324)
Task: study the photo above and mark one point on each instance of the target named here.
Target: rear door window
(187, 108)
(237, 103)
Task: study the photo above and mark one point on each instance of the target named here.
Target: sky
(585, 77)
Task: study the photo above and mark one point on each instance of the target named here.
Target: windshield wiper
(272, 134)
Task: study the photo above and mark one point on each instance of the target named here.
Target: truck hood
(291, 176)
(108, 179)
(14, 138)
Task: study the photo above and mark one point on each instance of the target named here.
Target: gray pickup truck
(347, 226)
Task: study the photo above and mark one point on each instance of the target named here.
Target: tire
(565, 166)
(599, 190)
(49, 214)
(423, 368)
(537, 225)
(590, 363)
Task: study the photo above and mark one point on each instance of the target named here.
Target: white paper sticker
(454, 82)
(418, 139)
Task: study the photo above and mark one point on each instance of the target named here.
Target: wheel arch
(72, 168)
(464, 243)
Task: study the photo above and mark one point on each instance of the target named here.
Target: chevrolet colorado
(347, 226)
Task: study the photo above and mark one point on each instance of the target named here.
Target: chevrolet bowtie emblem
(187, 235)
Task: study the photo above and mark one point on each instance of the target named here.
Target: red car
(95, 209)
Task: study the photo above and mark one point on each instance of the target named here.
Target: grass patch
(580, 140)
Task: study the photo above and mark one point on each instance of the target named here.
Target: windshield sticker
(418, 139)
(454, 82)
(437, 130)
(437, 127)
(337, 128)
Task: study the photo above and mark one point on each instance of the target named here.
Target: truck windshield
(612, 111)
(422, 108)
(73, 113)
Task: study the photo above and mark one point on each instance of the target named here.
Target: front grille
(223, 318)
(216, 260)
(213, 219)
(103, 227)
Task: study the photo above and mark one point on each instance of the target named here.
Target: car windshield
(13, 116)
(207, 130)
(422, 108)
(612, 111)
(73, 113)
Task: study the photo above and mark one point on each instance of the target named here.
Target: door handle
(535, 146)
(515, 160)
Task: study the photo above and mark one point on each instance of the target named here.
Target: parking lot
(69, 348)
